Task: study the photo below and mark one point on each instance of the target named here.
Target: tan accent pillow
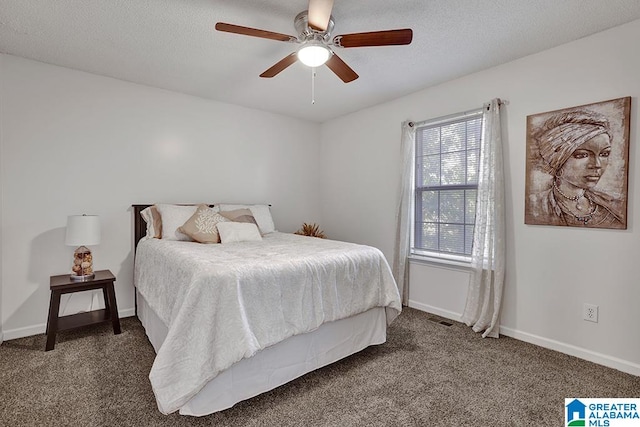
(261, 213)
(154, 221)
(202, 226)
(240, 215)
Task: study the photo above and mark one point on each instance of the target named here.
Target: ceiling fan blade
(341, 69)
(280, 65)
(254, 32)
(319, 14)
(375, 38)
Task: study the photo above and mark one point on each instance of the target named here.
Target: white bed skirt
(278, 364)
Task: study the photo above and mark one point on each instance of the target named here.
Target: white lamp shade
(82, 230)
(313, 54)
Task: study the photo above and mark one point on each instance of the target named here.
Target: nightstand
(64, 285)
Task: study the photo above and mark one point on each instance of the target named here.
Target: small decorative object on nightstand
(64, 284)
(82, 230)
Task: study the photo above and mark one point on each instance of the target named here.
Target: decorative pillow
(154, 222)
(226, 207)
(201, 227)
(238, 232)
(173, 216)
(239, 215)
(261, 213)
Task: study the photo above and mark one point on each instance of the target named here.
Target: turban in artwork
(564, 132)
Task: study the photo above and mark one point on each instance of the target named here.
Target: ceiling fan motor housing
(301, 23)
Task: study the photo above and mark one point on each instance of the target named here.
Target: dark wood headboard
(139, 225)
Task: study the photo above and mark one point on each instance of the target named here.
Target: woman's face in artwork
(587, 164)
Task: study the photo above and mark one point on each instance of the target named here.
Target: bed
(230, 321)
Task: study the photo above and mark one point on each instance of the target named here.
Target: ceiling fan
(314, 28)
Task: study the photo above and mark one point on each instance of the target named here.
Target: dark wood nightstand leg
(113, 307)
(107, 306)
(52, 322)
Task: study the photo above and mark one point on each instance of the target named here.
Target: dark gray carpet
(427, 374)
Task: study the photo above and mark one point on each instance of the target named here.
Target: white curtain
(403, 215)
(484, 297)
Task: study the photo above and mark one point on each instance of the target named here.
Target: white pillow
(238, 232)
(224, 207)
(261, 213)
(173, 217)
(153, 221)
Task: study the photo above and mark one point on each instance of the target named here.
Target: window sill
(439, 261)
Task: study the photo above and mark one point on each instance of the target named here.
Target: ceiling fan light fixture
(314, 54)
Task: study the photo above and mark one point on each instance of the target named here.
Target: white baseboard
(41, 328)
(581, 353)
(435, 310)
(129, 312)
(25, 331)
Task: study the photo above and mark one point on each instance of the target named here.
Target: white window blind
(446, 184)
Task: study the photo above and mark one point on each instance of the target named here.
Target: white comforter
(225, 302)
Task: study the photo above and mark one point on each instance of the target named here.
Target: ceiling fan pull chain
(313, 85)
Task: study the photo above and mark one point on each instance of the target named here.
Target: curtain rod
(466, 113)
(501, 102)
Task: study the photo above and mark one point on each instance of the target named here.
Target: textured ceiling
(172, 44)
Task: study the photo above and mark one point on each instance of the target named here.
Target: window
(446, 184)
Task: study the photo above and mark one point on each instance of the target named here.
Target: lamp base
(84, 278)
(82, 269)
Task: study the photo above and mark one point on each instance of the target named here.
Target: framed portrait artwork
(577, 166)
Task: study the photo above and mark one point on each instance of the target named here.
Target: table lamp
(82, 230)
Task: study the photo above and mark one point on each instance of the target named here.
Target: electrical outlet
(590, 312)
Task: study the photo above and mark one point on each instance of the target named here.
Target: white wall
(551, 271)
(76, 143)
